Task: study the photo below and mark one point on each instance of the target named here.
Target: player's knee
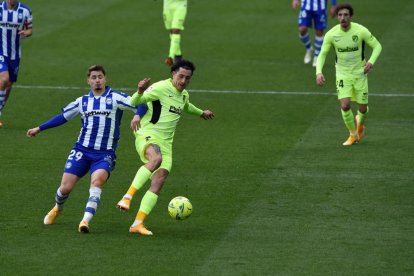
(154, 163)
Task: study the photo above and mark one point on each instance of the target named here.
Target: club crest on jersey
(355, 38)
(20, 16)
(108, 101)
(68, 165)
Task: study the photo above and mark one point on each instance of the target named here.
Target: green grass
(273, 190)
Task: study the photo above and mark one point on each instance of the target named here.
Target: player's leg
(344, 88)
(361, 95)
(175, 24)
(148, 202)
(101, 166)
(151, 196)
(150, 154)
(77, 165)
(304, 23)
(69, 181)
(8, 75)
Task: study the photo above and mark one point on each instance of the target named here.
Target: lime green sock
(349, 121)
(148, 202)
(175, 49)
(362, 116)
(142, 176)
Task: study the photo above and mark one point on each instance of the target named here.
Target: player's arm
(136, 120)
(295, 4)
(28, 26)
(332, 10)
(326, 46)
(68, 112)
(139, 97)
(53, 122)
(192, 109)
(376, 50)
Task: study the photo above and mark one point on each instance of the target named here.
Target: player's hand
(135, 123)
(25, 33)
(368, 67)
(207, 114)
(143, 85)
(320, 79)
(33, 132)
(295, 4)
(332, 11)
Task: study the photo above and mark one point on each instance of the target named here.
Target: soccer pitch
(273, 190)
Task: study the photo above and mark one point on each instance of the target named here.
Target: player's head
(182, 63)
(344, 14)
(182, 71)
(344, 6)
(96, 78)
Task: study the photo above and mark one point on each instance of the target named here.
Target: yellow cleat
(352, 139)
(84, 227)
(360, 127)
(140, 229)
(124, 204)
(50, 218)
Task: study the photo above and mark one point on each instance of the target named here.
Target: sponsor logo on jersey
(348, 49)
(97, 112)
(176, 110)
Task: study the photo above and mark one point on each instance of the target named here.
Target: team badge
(355, 38)
(68, 165)
(108, 101)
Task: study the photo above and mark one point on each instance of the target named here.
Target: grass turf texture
(273, 190)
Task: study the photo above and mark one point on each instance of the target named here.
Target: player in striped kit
(101, 112)
(15, 23)
(312, 13)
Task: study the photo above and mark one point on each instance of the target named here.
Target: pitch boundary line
(46, 87)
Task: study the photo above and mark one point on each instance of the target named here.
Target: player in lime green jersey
(349, 40)
(166, 100)
(174, 13)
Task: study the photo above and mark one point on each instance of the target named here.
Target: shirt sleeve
(149, 95)
(326, 46)
(192, 109)
(72, 110)
(374, 44)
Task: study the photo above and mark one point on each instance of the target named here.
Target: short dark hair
(95, 67)
(182, 63)
(345, 6)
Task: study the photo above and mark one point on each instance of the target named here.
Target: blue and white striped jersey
(11, 22)
(101, 118)
(315, 5)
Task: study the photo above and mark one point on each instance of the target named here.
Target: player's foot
(315, 58)
(84, 227)
(169, 61)
(360, 127)
(1, 124)
(140, 229)
(308, 56)
(50, 218)
(352, 139)
(124, 204)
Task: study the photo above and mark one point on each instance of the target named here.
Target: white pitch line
(46, 87)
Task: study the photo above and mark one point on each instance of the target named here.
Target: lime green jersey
(349, 49)
(165, 106)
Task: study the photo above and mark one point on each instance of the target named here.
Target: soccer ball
(180, 208)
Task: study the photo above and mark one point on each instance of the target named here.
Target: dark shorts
(12, 66)
(81, 160)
